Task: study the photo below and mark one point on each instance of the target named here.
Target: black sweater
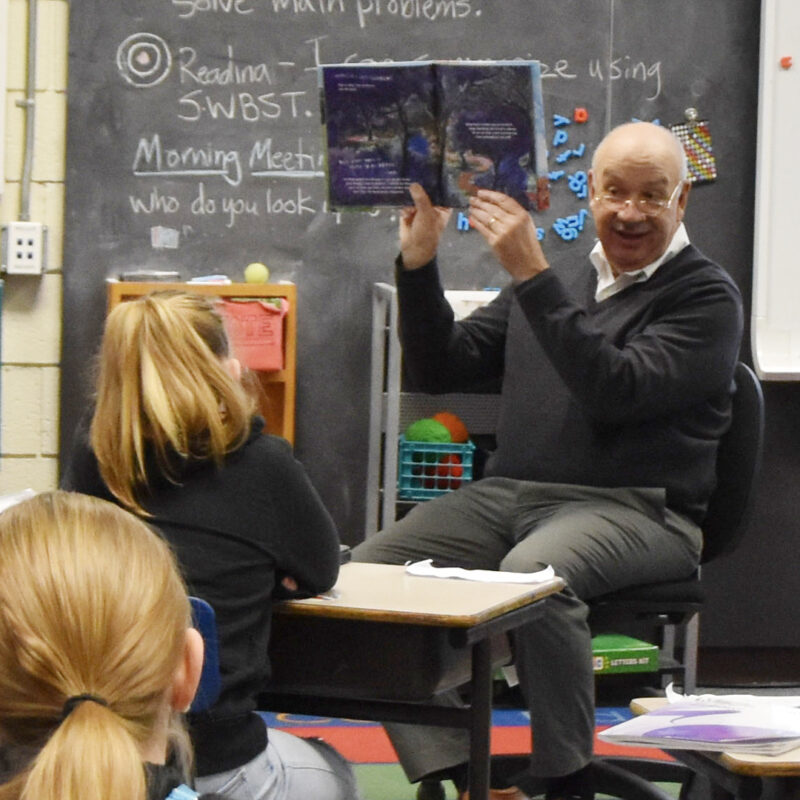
(631, 391)
(236, 531)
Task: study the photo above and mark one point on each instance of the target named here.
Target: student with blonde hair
(96, 653)
(174, 438)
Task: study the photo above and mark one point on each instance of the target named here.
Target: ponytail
(91, 755)
(93, 615)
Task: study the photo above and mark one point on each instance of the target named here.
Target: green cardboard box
(614, 653)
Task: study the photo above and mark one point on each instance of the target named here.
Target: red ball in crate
(430, 477)
(449, 471)
(458, 430)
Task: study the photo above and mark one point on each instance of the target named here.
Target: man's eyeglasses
(649, 206)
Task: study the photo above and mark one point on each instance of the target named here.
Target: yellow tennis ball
(256, 273)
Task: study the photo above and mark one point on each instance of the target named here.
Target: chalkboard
(194, 145)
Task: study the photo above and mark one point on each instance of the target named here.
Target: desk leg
(480, 721)
(783, 788)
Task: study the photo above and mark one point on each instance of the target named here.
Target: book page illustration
(488, 116)
(381, 133)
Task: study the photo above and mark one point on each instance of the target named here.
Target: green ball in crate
(427, 430)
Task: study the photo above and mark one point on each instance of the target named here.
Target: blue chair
(205, 621)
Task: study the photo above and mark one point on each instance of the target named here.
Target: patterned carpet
(367, 743)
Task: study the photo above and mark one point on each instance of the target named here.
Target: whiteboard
(3, 98)
(775, 326)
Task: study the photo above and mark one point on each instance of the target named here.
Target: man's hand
(421, 228)
(510, 232)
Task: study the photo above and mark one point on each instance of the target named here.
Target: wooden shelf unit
(277, 389)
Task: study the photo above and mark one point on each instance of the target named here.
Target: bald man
(616, 387)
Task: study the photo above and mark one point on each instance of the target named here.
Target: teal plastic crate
(428, 469)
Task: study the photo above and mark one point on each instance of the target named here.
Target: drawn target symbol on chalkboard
(144, 59)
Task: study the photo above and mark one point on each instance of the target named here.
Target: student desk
(742, 775)
(383, 643)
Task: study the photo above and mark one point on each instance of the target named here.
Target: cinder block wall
(31, 313)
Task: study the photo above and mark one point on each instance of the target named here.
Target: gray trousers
(598, 540)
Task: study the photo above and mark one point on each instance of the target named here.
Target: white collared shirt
(608, 284)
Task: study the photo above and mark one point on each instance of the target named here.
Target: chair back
(204, 619)
(738, 465)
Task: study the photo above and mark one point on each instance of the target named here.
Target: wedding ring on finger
(491, 222)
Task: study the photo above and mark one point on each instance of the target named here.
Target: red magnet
(580, 115)
(786, 62)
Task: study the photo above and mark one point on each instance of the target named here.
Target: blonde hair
(164, 393)
(91, 601)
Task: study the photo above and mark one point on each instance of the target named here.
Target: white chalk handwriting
(267, 160)
(155, 160)
(412, 10)
(188, 8)
(629, 69)
(234, 72)
(244, 106)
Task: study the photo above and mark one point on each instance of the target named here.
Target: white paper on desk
(695, 724)
(736, 700)
(427, 570)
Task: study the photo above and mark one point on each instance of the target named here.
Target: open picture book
(453, 127)
(766, 726)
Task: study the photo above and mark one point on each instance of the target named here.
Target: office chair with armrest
(674, 606)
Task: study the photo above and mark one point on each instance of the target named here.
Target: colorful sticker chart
(696, 140)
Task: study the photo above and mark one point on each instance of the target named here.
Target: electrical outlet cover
(24, 248)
